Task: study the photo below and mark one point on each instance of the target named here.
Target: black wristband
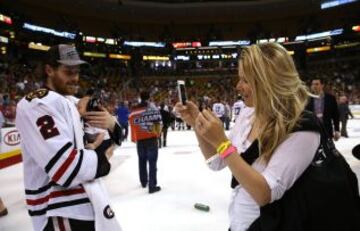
(117, 134)
(104, 166)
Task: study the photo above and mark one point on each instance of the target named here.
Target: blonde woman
(264, 153)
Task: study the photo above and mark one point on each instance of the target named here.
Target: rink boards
(10, 152)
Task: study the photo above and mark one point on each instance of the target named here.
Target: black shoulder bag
(325, 197)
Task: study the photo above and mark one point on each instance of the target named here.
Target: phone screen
(93, 105)
(182, 92)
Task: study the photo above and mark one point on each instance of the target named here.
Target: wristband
(230, 150)
(223, 146)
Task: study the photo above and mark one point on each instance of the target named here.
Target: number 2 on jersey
(47, 127)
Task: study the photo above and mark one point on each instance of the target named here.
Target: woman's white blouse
(286, 165)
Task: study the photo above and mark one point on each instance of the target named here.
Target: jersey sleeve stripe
(57, 156)
(54, 195)
(61, 224)
(58, 205)
(60, 172)
(76, 170)
(40, 190)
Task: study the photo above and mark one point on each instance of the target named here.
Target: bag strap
(326, 148)
(309, 122)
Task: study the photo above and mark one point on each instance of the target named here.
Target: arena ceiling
(102, 16)
(160, 11)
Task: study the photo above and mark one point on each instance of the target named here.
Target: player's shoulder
(40, 96)
(37, 94)
(239, 103)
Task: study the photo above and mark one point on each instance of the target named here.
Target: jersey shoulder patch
(37, 94)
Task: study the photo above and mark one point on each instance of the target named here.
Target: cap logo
(69, 53)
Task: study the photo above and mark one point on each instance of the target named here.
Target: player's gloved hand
(100, 119)
(98, 140)
(188, 112)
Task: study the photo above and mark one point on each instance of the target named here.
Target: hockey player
(237, 107)
(60, 176)
(219, 109)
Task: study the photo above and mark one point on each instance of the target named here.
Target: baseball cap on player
(64, 54)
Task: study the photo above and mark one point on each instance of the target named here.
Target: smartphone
(182, 91)
(93, 104)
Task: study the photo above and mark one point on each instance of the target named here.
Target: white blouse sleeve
(215, 163)
(289, 161)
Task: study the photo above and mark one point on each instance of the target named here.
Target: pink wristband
(230, 150)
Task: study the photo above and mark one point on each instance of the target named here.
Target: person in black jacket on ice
(325, 108)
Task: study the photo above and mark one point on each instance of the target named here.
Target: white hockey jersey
(218, 109)
(55, 165)
(237, 107)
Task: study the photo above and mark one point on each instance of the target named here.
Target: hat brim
(72, 62)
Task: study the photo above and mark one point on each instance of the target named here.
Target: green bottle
(202, 207)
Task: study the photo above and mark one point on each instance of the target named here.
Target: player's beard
(72, 88)
(65, 88)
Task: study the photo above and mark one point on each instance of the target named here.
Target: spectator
(172, 117)
(166, 121)
(2, 119)
(145, 124)
(179, 123)
(345, 113)
(325, 108)
(277, 147)
(122, 114)
(227, 115)
(9, 112)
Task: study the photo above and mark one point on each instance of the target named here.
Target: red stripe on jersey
(54, 195)
(61, 224)
(64, 166)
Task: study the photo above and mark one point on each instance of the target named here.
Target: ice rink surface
(183, 176)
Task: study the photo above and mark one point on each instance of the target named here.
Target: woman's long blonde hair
(278, 93)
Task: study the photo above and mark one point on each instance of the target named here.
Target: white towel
(105, 219)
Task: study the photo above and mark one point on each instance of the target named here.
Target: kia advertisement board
(10, 139)
(10, 152)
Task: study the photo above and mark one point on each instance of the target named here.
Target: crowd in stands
(117, 84)
(343, 78)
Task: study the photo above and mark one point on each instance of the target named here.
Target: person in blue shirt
(122, 114)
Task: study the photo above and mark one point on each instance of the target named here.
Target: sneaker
(155, 189)
(4, 212)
